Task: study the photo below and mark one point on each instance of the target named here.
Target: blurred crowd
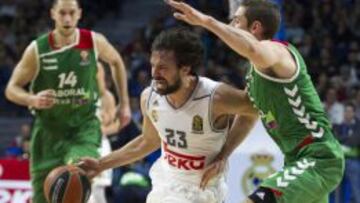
(326, 32)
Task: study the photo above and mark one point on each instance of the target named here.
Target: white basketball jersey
(189, 141)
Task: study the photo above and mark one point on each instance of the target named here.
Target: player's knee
(262, 195)
(248, 201)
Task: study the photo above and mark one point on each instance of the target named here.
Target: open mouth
(160, 82)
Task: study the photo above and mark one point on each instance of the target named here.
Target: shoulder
(207, 85)
(146, 93)
(231, 100)
(224, 91)
(274, 45)
(31, 50)
(98, 37)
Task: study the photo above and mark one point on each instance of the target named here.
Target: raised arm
(135, 150)
(263, 54)
(108, 54)
(24, 72)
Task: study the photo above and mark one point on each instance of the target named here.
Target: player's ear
(80, 13)
(256, 27)
(52, 13)
(186, 70)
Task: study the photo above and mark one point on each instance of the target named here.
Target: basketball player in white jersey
(188, 117)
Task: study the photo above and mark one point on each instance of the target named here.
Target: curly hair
(186, 45)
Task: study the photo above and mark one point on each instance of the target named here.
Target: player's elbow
(8, 92)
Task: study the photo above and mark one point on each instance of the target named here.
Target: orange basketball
(67, 184)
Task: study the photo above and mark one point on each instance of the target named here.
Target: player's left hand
(213, 170)
(187, 13)
(124, 114)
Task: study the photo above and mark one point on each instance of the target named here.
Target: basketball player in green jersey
(62, 66)
(281, 89)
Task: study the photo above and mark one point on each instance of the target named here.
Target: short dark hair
(185, 44)
(56, 1)
(264, 11)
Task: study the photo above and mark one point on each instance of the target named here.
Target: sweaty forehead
(66, 4)
(163, 57)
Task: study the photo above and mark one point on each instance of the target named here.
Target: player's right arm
(24, 72)
(136, 149)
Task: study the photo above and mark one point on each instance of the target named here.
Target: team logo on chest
(197, 125)
(270, 120)
(84, 58)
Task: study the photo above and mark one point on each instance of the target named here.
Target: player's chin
(161, 91)
(160, 86)
(67, 30)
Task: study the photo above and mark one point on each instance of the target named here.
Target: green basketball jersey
(290, 109)
(71, 72)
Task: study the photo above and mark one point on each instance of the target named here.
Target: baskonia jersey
(290, 109)
(71, 72)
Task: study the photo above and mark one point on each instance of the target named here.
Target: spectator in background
(357, 104)
(25, 131)
(139, 81)
(20, 146)
(135, 110)
(348, 133)
(333, 107)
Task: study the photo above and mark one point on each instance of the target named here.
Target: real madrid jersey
(189, 140)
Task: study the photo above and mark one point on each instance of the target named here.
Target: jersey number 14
(67, 79)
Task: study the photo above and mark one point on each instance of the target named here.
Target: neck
(61, 40)
(180, 97)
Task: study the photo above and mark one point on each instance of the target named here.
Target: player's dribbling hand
(213, 170)
(90, 165)
(187, 14)
(124, 113)
(43, 100)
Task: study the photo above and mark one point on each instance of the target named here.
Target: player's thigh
(324, 199)
(76, 151)
(85, 142)
(297, 183)
(248, 201)
(46, 149)
(37, 183)
(46, 154)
